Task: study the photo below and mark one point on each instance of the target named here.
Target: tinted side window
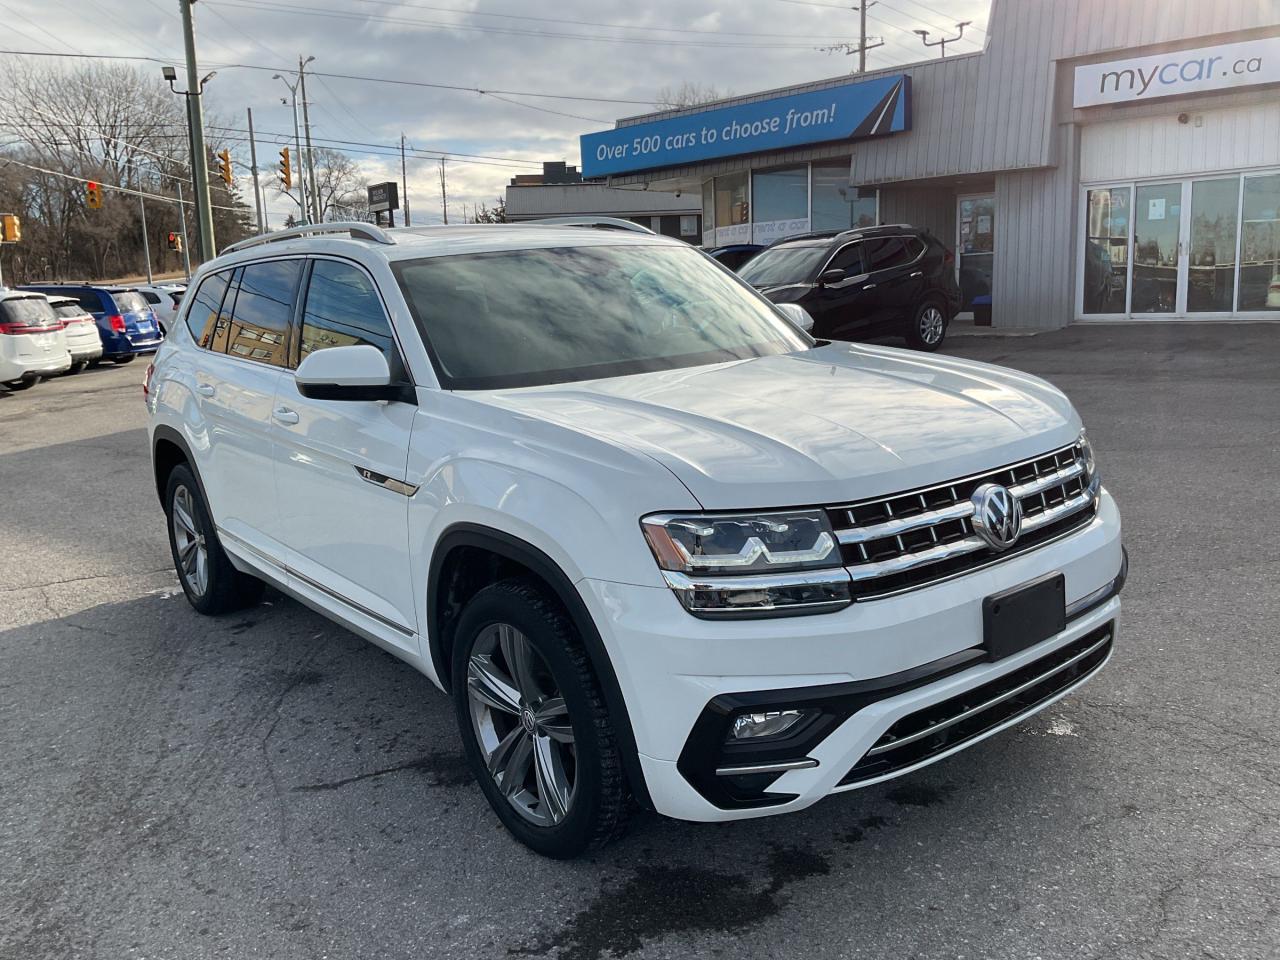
(89, 300)
(150, 297)
(849, 259)
(343, 309)
(263, 308)
(915, 247)
(203, 314)
(885, 252)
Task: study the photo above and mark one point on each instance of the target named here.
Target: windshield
(31, 311)
(790, 264)
(527, 317)
(130, 301)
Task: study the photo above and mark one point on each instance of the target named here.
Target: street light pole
(200, 163)
(297, 148)
(942, 42)
(306, 126)
(182, 222)
(253, 161)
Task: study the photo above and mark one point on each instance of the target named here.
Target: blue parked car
(126, 321)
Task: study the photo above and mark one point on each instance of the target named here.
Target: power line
(114, 186)
(277, 6)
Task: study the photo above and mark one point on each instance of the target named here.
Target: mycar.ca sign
(1226, 66)
(869, 108)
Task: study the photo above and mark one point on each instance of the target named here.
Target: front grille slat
(914, 538)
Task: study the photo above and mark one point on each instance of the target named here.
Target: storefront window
(835, 204)
(1211, 264)
(977, 222)
(1106, 255)
(780, 203)
(708, 211)
(731, 200)
(1260, 244)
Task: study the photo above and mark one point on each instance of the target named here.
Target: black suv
(872, 281)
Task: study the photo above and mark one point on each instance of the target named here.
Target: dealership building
(1095, 160)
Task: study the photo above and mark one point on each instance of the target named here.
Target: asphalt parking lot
(267, 784)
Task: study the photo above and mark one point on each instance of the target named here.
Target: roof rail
(357, 230)
(602, 223)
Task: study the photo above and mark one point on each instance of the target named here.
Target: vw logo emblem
(997, 516)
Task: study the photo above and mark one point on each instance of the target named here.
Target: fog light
(749, 726)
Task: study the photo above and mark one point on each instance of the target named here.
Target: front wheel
(534, 725)
(209, 580)
(22, 384)
(928, 327)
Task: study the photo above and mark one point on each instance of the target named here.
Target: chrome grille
(910, 539)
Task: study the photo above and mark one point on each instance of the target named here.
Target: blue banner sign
(869, 108)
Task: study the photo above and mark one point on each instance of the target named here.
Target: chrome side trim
(994, 701)
(359, 608)
(389, 483)
(834, 579)
(779, 767)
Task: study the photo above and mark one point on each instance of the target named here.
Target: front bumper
(892, 660)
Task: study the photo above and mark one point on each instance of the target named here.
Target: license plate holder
(1030, 613)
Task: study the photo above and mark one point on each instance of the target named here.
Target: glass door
(1211, 252)
(976, 243)
(1157, 249)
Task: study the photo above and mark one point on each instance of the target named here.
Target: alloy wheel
(932, 324)
(521, 722)
(189, 541)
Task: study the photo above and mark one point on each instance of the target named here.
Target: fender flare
(527, 555)
(171, 435)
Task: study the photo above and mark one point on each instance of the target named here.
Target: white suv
(658, 543)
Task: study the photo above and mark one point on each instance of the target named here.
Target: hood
(836, 423)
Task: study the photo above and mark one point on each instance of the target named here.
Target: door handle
(868, 286)
(918, 273)
(284, 415)
(205, 389)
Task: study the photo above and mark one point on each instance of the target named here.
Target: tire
(16, 385)
(127, 358)
(551, 726)
(928, 326)
(211, 583)
(77, 366)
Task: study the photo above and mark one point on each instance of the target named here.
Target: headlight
(1090, 465)
(769, 564)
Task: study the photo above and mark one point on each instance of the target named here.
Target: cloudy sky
(613, 54)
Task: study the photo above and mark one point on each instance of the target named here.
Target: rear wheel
(22, 384)
(127, 358)
(534, 725)
(209, 580)
(928, 327)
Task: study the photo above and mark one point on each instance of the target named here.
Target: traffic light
(224, 166)
(286, 174)
(175, 241)
(10, 228)
(93, 195)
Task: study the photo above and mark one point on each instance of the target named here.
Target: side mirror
(796, 314)
(348, 373)
(828, 277)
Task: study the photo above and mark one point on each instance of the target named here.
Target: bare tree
(689, 94)
(341, 186)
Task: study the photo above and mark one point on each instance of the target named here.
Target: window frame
(304, 293)
(186, 317)
(238, 270)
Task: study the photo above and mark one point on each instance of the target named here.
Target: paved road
(269, 785)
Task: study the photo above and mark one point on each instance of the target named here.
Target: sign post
(384, 198)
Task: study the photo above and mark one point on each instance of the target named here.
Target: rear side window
(343, 309)
(203, 315)
(885, 252)
(262, 311)
(89, 300)
(130, 301)
(150, 297)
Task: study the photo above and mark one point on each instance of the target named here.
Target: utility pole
(404, 181)
(862, 35)
(306, 126)
(182, 221)
(253, 161)
(942, 42)
(444, 193)
(146, 243)
(200, 163)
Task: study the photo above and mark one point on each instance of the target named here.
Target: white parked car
(164, 299)
(84, 343)
(654, 540)
(32, 342)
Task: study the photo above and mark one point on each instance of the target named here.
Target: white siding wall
(1160, 146)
